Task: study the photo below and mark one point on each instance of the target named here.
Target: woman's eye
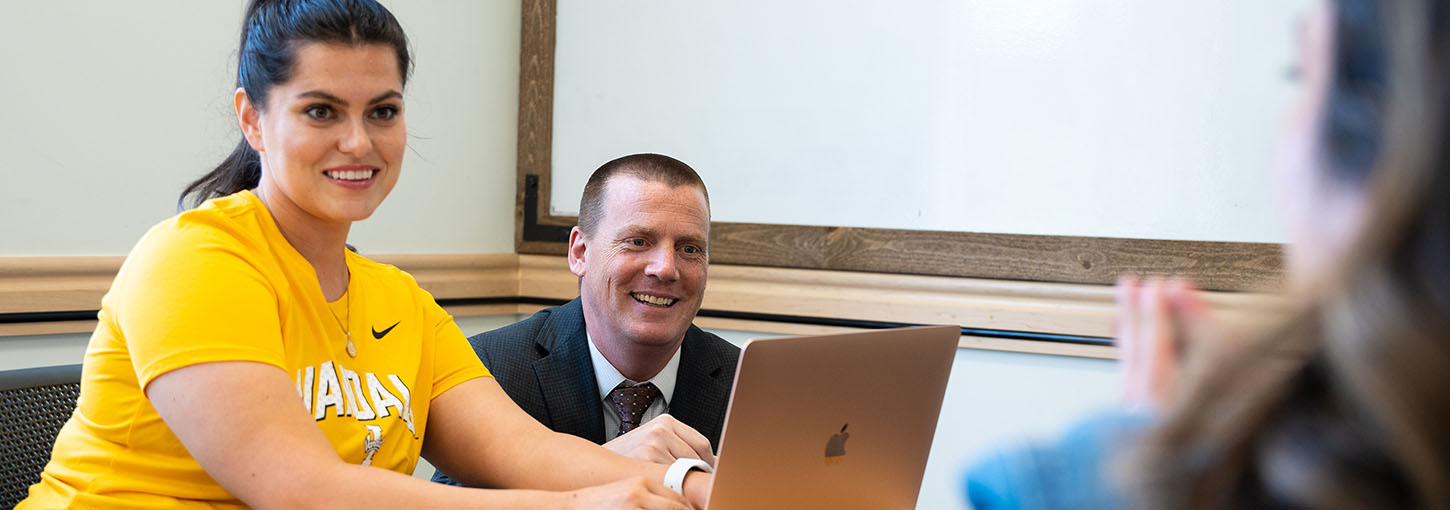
(386, 113)
(319, 112)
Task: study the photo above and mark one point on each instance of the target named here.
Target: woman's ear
(249, 118)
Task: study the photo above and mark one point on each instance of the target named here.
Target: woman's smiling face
(331, 138)
(1319, 214)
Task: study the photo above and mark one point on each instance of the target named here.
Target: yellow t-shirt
(220, 283)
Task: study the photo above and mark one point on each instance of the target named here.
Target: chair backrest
(34, 404)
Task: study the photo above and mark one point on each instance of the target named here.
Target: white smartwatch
(675, 476)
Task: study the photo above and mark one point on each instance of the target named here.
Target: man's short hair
(646, 167)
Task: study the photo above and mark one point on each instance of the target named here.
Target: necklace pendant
(351, 347)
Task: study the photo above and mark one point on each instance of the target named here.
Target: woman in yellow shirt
(245, 357)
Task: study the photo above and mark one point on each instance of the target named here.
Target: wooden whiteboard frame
(1216, 265)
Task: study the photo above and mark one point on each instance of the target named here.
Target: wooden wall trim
(966, 342)
(77, 283)
(47, 328)
(461, 276)
(68, 284)
(1036, 258)
(1074, 309)
(536, 108)
(53, 284)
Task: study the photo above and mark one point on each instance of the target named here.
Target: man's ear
(249, 118)
(576, 251)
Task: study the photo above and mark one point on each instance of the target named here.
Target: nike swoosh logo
(380, 334)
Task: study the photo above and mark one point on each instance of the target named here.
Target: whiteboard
(1126, 118)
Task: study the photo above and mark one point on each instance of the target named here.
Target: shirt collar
(607, 377)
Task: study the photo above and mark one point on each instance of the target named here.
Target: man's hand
(663, 440)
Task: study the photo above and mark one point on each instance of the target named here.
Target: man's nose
(662, 264)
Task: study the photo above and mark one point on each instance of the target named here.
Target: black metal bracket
(70, 315)
(533, 231)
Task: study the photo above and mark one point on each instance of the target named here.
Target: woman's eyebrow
(334, 99)
(318, 94)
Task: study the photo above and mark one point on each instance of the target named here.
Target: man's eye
(636, 242)
(691, 250)
(319, 112)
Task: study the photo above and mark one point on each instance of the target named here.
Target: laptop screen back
(833, 421)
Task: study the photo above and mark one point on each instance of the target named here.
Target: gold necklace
(351, 347)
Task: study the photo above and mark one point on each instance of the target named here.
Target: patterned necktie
(630, 402)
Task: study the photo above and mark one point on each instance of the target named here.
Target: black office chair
(34, 403)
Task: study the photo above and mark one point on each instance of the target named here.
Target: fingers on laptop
(631, 493)
(699, 446)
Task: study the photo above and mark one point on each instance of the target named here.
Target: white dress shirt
(607, 377)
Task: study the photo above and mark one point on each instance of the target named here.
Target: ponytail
(242, 169)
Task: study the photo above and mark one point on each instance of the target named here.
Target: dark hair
(648, 167)
(271, 33)
(1353, 126)
(1346, 403)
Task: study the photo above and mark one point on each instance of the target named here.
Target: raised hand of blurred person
(1163, 326)
(663, 440)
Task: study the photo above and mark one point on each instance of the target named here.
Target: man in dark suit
(622, 365)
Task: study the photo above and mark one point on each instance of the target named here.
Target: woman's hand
(698, 486)
(630, 493)
(1162, 325)
(480, 437)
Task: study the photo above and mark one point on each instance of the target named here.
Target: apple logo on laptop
(836, 446)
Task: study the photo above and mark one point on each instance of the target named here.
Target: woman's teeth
(351, 175)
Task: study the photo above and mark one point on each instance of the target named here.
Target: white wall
(1129, 118)
(42, 350)
(113, 107)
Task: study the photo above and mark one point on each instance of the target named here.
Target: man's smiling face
(642, 271)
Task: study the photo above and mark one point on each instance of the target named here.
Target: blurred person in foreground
(1345, 401)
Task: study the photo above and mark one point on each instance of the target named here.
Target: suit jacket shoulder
(702, 387)
(543, 364)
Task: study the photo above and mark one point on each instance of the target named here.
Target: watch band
(675, 476)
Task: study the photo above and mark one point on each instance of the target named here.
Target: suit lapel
(566, 375)
(701, 388)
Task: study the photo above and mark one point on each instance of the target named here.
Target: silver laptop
(833, 421)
